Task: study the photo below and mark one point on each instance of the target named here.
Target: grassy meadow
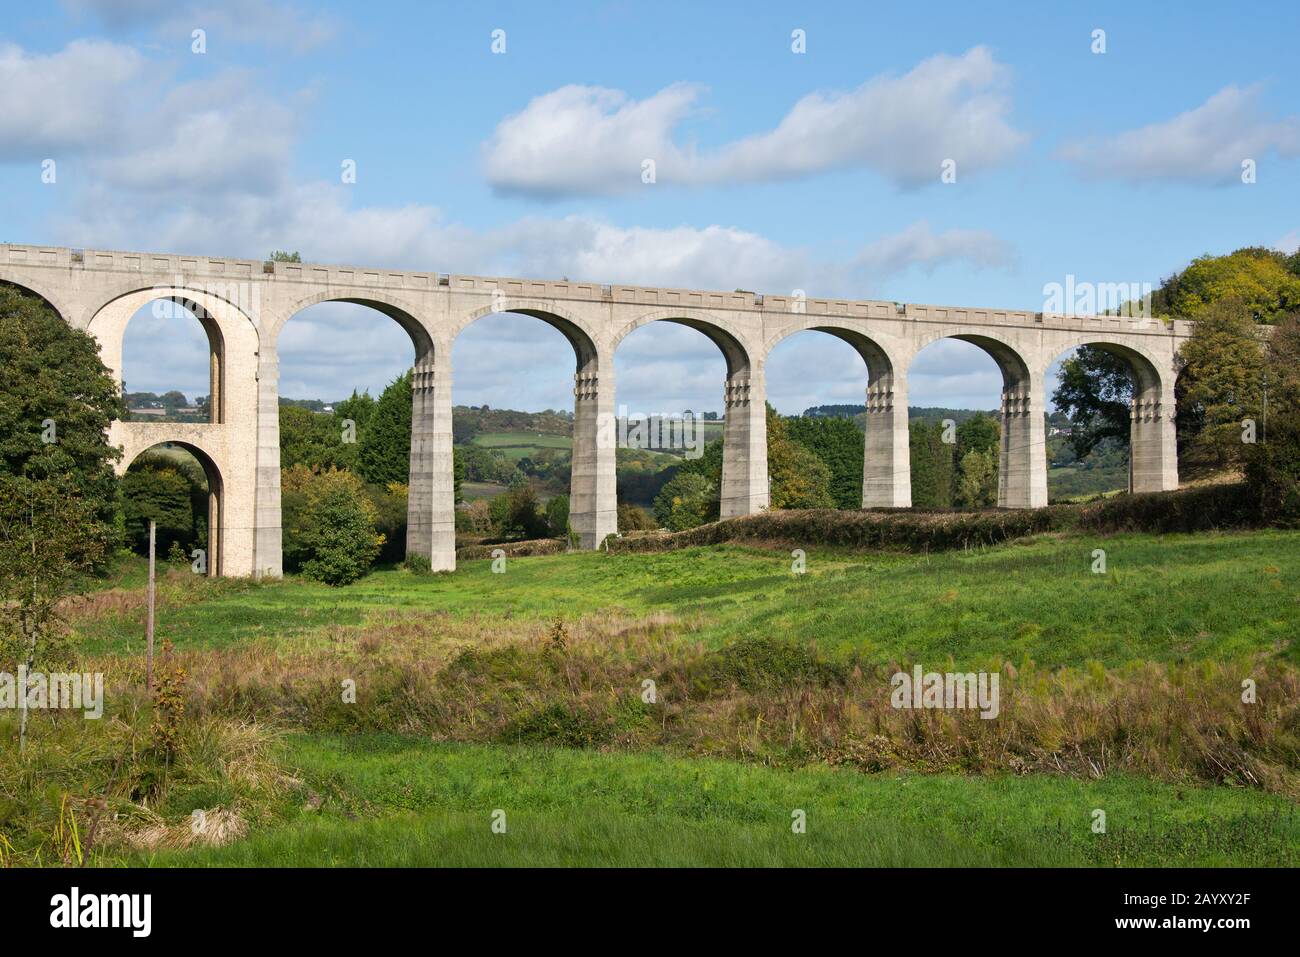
(526, 692)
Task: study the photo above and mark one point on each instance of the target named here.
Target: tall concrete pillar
(267, 542)
(1022, 471)
(593, 482)
(744, 445)
(886, 465)
(1153, 440)
(431, 502)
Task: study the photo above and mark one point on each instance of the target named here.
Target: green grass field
(1166, 599)
(517, 445)
(392, 801)
(467, 707)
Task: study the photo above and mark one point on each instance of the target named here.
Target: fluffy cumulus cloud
(592, 140)
(205, 167)
(1205, 145)
(64, 102)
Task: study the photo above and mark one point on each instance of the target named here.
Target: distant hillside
(926, 414)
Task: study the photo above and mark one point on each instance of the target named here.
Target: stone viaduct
(244, 304)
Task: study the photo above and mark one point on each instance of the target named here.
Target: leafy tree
(685, 502)
(519, 515)
(797, 477)
(312, 439)
(280, 256)
(57, 400)
(932, 466)
(159, 492)
(51, 536)
(839, 443)
(384, 446)
(980, 433)
(329, 524)
(1273, 462)
(1096, 392)
(1222, 377)
(557, 515)
(390, 503)
(977, 452)
(977, 480)
(632, 518)
(1259, 278)
(708, 467)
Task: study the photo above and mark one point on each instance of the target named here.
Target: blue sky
(775, 170)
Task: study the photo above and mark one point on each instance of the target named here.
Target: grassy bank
(769, 687)
(391, 801)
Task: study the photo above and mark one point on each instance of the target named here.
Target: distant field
(471, 490)
(1068, 482)
(517, 445)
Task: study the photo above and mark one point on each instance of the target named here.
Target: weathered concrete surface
(244, 304)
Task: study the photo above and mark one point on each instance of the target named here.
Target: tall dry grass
(582, 683)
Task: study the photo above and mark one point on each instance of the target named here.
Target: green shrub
(329, 525)
(558, 724)
(764, 664)
(633, 518)
(159, 492)
(1190, 510)
(685, 502)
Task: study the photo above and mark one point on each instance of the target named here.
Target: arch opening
(1106, 429)
(685, 457)
(347, 400)
(179, 487)
(974, 427)
(172, 351)
(523, 447)
(855, 437)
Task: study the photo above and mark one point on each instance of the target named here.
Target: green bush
(557, 516)
(329, 525)
(560, 725)
(1191, 510)
(764, 664)
(685, 502)
(633, 518)
(153, 491)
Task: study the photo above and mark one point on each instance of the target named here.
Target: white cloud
(593, 140)
(207, 168)
(64, 102)
(1290, 243)
(217, 135)
(588, 139)
(1204, 145)
(918, 245)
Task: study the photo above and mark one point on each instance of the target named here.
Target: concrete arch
(51, 299)
(579, 334)
(744, 488)
(739, 354)
(228, 328)
(1146, 367)
(139, 442)
(1015, 367)
(875, 353)
(403, 312)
